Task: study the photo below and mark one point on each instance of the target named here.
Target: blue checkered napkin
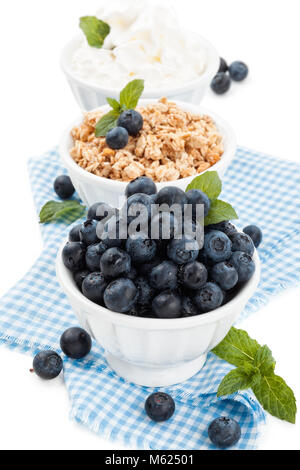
(35, 312)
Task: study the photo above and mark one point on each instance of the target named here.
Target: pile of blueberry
(237, 72)
(129, 123)
(152, 276)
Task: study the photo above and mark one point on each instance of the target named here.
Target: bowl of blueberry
(156, 283)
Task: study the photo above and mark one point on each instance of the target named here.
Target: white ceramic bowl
(91, 96)
(92, 188)
(149, 351)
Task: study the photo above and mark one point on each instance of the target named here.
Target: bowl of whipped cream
(145, 41)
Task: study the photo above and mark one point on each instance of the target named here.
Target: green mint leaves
(255, 369)
(65, 210)
(95, 30)
(211, 185)
(129, 98)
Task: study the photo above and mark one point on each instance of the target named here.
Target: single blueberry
(114, 232)
(160, 406)
(145, 291)
(164, 276)
(193, 275)
(242, 242)
(141, 250)
(47, 365)
(171, 195)
(79, 277)
(115, 263)
(209, 297)
(93, 256)
(88, 232)
(188, 308)
(73, 256)
(254, 233)
(143, 184)
(117, 138)
(238, 71)
(226, 227)
(197, 197)
(183, 250)
(74, 234)
(223, 65)
(221, 83)
(224, 274)
(93, 287)
(224, 432)
(100, 211)
(63, 187)
(243, 264)
(217, 246)
(167, 304)
(138, 204)
(76, 343)
(132, 121)
(120, 295)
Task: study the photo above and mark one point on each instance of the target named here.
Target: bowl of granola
(178, 141)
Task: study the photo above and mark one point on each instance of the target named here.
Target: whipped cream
(145, 41)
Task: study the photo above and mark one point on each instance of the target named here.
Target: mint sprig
(255, 369)
(68, 211)
(95, 30)
(210, 183)
(129, 98)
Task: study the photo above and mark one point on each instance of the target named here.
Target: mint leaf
(95, 30)
(209, 183)
(54, 210)
(131, 94)
(220, 211)
(276, 397)
(115, 105)
(238, 379)
(106, 123)
(264, 360)
(237, 348)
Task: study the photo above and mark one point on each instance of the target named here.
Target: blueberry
(115, 263)
(188, 308)
(170, 195)
(238, 71)
(120, 295)
(74, 235)
(114, 232)
(73, 256)
(254, 233)
(183, 250)
(160, 406)
(223, 65)
(167, 304)
(63, 187)
(193, 275)
(132, 121)
(117, 138)
(217, 246)
(138, 204)
(242, 242)
(88, 232)
(93, 287)
(141, 250)
(76, 343)
(197, 197)
(145, 291)
(221, 83)
(224, 274)
(47, 365)
(99, 211)
(209, 297)
(79, 277)
(225, 227)
(243, 264)
(163, 226)
(164, 276)
(143, 184)
(93, 256)
(224, 432)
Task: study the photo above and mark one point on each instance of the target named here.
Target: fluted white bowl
(92, 188)
(149, 351)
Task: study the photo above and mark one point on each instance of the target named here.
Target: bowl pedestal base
(155, 376)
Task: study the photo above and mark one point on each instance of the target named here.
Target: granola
(173, 144)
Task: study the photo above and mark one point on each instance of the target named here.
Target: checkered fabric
(35, 312)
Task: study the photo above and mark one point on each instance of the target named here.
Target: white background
(36, 105)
